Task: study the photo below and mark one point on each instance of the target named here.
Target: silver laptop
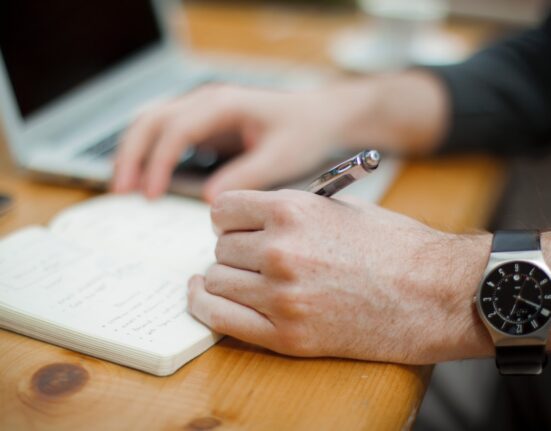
(74, 74)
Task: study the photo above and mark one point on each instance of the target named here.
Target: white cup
(395, 24)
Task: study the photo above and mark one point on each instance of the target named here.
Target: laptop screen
(50, 47)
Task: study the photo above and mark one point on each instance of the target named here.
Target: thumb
(254, 169)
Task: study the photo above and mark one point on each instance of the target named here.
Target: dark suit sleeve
(501, 97)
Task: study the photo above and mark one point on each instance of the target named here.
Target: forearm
(403, 112)
(499, 99)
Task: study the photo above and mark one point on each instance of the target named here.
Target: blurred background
(364, 35)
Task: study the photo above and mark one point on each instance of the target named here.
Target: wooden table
(234, 385)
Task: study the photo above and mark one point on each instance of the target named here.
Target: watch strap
(516, 240)
(521, 360)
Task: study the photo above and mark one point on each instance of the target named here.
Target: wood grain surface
(235, 386)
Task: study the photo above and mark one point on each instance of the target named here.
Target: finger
(134, 147)
(241, 250)
(255, 169)
(227, 317)
(244, 287)
(192, 124)
(243, 210)
(163, 159)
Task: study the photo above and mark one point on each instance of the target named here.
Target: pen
(345, 173)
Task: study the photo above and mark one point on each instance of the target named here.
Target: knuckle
(278, 260)
(284, 261)
(174, 129)
(275, 253)
(289, 302)
(175, 134)
(180, 133)
(286, 212)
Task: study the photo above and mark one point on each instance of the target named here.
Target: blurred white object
(400, 33)
(406, 10)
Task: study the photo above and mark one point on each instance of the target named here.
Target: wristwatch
(514, 302)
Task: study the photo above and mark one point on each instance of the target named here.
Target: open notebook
(108, 277)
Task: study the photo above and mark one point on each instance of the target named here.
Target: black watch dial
(516, 298)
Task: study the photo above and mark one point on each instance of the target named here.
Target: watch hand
(513, 309)
(517, 297)
(520, 298)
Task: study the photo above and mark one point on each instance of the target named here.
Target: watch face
(516, 298)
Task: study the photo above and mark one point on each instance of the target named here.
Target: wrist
(473, 339)
(465, 336)
(403, 112)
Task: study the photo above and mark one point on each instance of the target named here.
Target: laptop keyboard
(103, 148)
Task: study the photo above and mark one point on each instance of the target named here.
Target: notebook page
(64, 285)
(172, 232)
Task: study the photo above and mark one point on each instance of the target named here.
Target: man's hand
(310, 276)
(284, 136)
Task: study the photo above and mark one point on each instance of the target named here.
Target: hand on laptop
(284, 135)
(294, 275)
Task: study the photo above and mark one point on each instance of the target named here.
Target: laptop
(74, 74)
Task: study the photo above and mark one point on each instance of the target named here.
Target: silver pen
(345, 173)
